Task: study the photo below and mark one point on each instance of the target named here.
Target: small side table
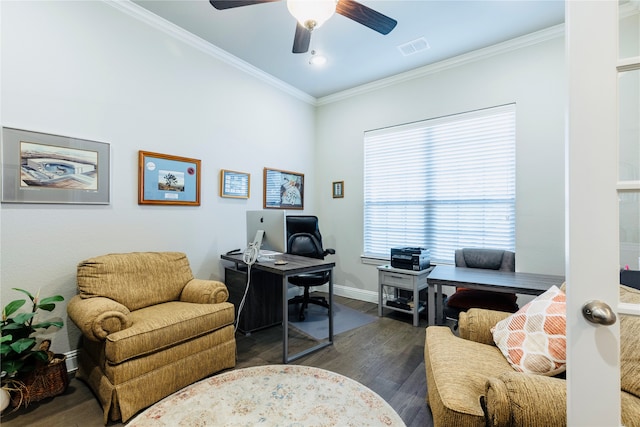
(408, 280)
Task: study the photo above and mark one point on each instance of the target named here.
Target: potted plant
(20, 357)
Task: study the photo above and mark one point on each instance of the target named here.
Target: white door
(592, 207)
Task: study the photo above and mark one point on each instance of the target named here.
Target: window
(441, 184)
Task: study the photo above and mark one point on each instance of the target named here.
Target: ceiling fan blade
(366, 16)
(229, 4)
(301, 40)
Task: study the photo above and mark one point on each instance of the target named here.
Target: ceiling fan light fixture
(312, 13)
(316, 59)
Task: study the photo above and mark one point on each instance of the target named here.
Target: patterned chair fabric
(149, 328)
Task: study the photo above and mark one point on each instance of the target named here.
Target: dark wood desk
(489, 280)
(295, 265)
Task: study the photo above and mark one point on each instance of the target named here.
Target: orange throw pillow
(533, 339)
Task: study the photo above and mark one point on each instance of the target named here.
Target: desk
(489, 280)
(295, 265)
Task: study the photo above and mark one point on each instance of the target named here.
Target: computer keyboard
(267, 253)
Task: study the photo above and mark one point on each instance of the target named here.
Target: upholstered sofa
(149, 328)
(471, 383)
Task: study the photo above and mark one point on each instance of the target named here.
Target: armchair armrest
(98, 317)
(519, 399)
(475, 324)
(202, 291)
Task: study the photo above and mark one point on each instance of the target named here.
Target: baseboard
(72, 360)
(353, 293)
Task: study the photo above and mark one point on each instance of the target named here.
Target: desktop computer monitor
(273, 223)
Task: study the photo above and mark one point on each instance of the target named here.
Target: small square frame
(44, 168)
(283, 189)
(235, 184)
(164, 179)
(338, 189)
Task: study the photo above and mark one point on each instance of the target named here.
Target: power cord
(251, 254)
(249, 257)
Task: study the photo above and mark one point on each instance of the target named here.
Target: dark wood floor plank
(385, 355)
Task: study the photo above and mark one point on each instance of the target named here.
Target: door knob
(598, 312)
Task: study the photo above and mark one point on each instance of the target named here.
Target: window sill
(374, 261)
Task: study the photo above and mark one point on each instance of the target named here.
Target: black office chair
(304, 238)
(464, 299)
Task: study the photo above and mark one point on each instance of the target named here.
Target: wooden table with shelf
(408, 280)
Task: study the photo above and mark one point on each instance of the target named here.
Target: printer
(410, 258)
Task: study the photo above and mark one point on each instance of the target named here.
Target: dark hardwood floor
(385, 355)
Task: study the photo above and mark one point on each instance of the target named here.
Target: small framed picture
(283, 189)
(234, 184)
(168, 180)
(338, 189)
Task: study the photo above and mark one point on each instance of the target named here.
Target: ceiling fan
(313, 13)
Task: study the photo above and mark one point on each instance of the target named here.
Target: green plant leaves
(56, 323)
(12, 307)
(23, 344)
(48, 303)
(16, 343)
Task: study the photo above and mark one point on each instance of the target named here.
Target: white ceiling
(262, 35)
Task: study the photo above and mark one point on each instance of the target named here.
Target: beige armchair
(149, 328)
(470, 382)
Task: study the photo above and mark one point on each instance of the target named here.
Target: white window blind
(441, 184)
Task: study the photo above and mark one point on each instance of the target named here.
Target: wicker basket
(47, 380)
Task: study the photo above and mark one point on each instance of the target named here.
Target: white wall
(532, 77)
(88, 70)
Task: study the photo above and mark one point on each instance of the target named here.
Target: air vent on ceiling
(414, 46)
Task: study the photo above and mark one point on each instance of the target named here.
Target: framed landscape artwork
(168, 180)
(44, 168)
(283, 189)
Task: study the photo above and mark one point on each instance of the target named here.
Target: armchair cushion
(534, 338)
(165, 325)
(111, 276)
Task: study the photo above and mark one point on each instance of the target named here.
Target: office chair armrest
(98, 317)
(329, 251)
(202, 291)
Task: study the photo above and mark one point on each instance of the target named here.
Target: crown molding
(631, 7)
(153, 20)
(129, 8)
(467, 58)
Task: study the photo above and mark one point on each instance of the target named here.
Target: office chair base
(321, 301)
